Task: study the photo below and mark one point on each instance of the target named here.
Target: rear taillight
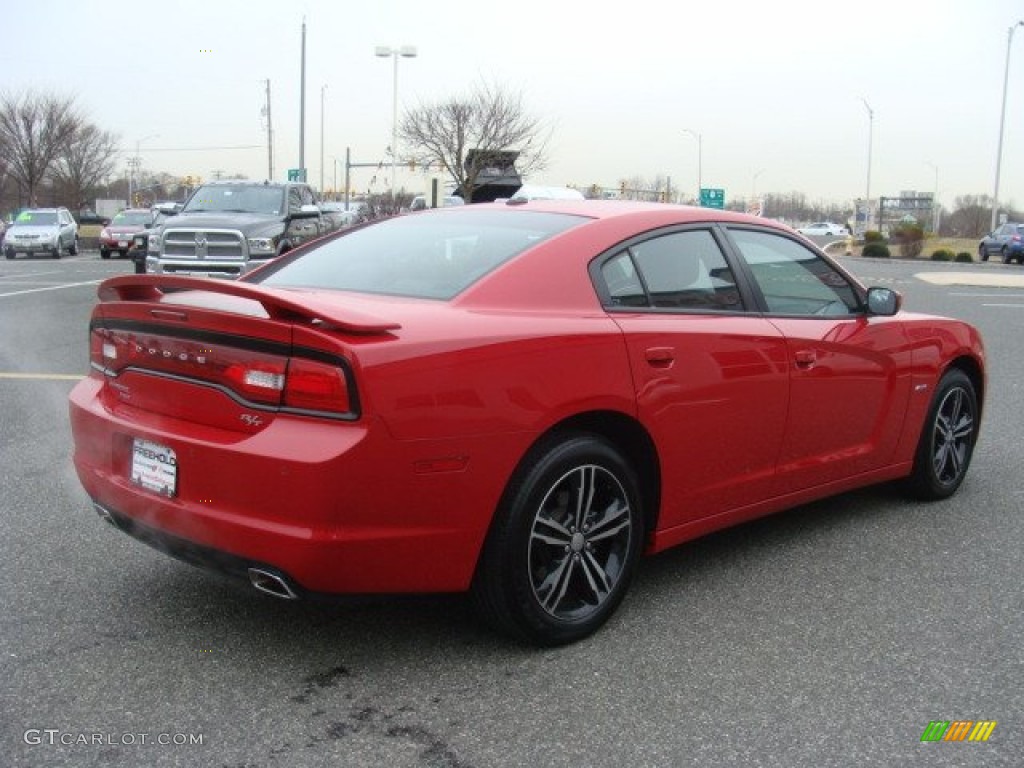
(260, 378)
(316, 386)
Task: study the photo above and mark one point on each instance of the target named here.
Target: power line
(196, 149)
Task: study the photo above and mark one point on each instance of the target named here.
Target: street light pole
(867, 191)
(1002, 123)
(408, 52)
(700, 160)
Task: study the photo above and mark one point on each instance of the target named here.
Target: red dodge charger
(515, 400)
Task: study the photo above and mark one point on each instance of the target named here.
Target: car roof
(612, 209)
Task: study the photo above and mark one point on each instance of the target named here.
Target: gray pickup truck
(228, 228)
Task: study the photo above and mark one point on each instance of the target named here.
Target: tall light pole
(1002, 123)
(323, 89)
(700, 156)
(867, 190)
(408, 52)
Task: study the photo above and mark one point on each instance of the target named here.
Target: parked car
(1006, 240)
(42, 230)
(158, 215)
(119, 235)
(419, 203)
(514, 400)
(824, 229)
(228, 228)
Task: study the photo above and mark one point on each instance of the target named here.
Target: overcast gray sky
(776, 89)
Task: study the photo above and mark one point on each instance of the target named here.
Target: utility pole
(270, 136)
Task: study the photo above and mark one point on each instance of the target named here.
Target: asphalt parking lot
(831, 635)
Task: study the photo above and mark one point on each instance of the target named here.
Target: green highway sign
(296, 174)
(712, 198)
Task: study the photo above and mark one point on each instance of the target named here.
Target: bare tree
(34, 129)
(488, 122)
(85, 162)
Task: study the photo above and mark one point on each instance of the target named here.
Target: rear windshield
(428, 255)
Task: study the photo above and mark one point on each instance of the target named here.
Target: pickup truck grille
(204, 244)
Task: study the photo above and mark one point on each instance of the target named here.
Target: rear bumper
(338, 508)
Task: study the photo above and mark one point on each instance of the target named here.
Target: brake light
(315, 386)
(258, 377)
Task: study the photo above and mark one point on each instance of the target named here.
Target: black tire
(1007, 259)
(104, 253)
(947, 439)
(122, 254)
(55, 253)
(9, 254)
(982, 253)
(73, 250)
(564, 542)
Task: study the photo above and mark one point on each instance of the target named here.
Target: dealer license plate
(154, 467)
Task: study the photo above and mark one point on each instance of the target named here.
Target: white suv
(42, 230)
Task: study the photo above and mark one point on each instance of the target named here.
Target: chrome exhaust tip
(104, 514)
(271, 583)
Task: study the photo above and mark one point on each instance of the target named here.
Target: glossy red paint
(744, 412)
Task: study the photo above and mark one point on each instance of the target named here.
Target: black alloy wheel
(947, 440)
(564, 543)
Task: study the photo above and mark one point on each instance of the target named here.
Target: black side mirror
(884, 302)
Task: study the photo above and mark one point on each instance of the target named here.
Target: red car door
(850, 372)
(712, 380)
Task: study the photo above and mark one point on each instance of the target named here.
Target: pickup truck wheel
(104, 253)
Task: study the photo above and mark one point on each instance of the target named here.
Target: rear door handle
(660, 357)
(806, 358)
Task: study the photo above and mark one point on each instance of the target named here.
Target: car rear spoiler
(279, 304)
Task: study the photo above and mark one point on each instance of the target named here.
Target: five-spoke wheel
(947, 440)
(564, 544)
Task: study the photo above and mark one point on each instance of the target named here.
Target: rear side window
(429, 255)
(680, 270)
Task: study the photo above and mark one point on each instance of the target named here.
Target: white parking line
(50, 288)
(32, 274)
(42, 376)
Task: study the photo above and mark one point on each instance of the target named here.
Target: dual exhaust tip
(261, 579)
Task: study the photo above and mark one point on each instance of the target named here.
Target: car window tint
(623, 282)
(686, 270)
(430, 255)
(793, 279)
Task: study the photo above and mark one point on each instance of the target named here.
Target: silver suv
(42, 230)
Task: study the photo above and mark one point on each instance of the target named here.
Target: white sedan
(824, 229)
